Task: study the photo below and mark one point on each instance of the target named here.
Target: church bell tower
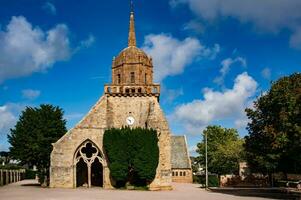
(132, 70)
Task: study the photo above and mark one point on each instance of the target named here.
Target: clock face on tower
(130, 120)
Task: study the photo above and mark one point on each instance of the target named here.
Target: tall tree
(33, 134)
(274, 140)
(225, 150)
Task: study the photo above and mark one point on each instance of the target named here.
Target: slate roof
(179, 153)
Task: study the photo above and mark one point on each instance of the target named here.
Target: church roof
(179, 153)
(132, 54)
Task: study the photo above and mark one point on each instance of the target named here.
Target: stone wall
(111, 112)
(182, 175)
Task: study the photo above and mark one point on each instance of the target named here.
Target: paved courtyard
(26, 190)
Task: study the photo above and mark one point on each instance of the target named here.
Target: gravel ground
(26, 190)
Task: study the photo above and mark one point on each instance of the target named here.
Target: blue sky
(212, 58)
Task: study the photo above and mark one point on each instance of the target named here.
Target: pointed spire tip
(132, 35)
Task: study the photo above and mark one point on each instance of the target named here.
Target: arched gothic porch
(88, 165)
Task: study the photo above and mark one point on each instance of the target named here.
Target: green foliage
(274, 140)
(213, 180)
(133, 155)
(10, 166)
(33, 134)
(30, 174)
(225, 150)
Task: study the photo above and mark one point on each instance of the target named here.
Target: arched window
(176, 173)
(173, 173)
(109, 90)
(184, 173)
(118, 79)
(154, 90)
(181, 174)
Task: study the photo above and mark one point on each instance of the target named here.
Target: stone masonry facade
(110, 112)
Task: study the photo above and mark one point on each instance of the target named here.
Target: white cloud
(30, 94)
(49, 7)
(8, 116)
(194, 26)
(88, 42)
(9, 113)
(85, 43)
(171, 55)
(7, 119)
(171, 94)
(25, 49)
(266, 15)
(217, 105)
(266, 73)
(226, 64)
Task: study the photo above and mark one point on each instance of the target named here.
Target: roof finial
(132, 35)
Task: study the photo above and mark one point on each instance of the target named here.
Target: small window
(184, 173)
(132, 77)
(118, 79)
(109, 90)
(176, 173)
(145, 78)
(133, 90)
(181, 174)
(173, 173)
(139, 90)
(155, 90)
(127, 90)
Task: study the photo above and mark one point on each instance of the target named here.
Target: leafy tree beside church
(225, 150)
(274, 140)
(33, 134)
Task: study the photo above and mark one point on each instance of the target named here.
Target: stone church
(132, 99)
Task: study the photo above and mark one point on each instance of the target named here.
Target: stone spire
(132, 35)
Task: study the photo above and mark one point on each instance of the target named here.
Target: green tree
(274, 140)
(33, 134)
(133, 155)
(225, 150)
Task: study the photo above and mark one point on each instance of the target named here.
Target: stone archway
(88, 165)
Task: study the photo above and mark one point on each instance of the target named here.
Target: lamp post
(206, 160)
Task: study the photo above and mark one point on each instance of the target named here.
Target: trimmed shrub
(133, 155)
